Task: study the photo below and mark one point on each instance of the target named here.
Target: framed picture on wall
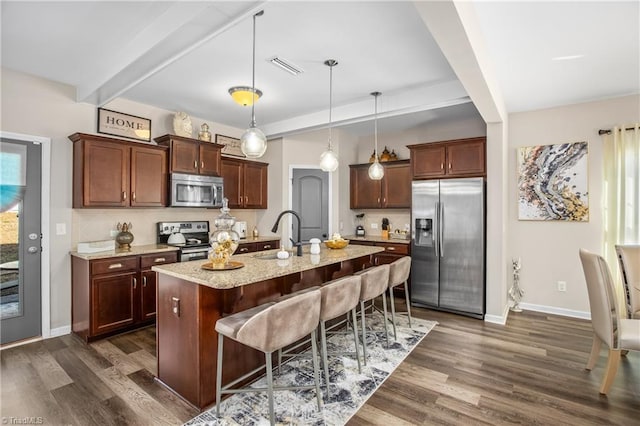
(553, 182)
(119, 124)
(231, 146)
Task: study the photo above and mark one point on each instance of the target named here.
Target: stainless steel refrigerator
(448, 245)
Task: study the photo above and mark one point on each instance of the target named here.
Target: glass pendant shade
(253, 143)
(376, 171)
(329, 161)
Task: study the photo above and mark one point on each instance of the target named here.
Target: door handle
(435, 229)
(135, 283)
(124, 196)
(115, 266)
(159, 259)
(267, 246)
(133, 196)
(441, 238)
(144, 281)
(32, 249)
(202, 164)
(195, 164)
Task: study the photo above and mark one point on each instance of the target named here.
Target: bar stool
(339, 297)
(399, 274)
(375, 281)
(268, 328)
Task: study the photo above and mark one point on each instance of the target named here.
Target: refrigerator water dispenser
(424, 232)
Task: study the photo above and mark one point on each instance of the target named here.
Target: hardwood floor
(530, 371)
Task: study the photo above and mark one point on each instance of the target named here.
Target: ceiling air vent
(285, 65)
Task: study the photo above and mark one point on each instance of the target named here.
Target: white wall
(549, 250)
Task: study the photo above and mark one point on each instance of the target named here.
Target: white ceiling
(184, 56)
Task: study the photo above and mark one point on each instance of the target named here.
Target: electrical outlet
(374, 226)
(114, 233)
(562, 286)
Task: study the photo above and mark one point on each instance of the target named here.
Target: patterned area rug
(349, 389)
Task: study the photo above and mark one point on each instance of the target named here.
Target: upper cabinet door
(148, 177)
(365, 193)
(255, 185)
(185, 157)
(104, 167)
(428, 161)
(209, 159)
(466, 158)
(233, 179)
(396, 185)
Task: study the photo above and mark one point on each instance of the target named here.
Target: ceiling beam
(455, 27)
(181, 29)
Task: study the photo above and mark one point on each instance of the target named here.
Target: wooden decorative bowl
(336, 244)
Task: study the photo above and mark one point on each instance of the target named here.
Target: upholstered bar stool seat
(339, 297)
(399, 274)
(375, 281)
(268, 328)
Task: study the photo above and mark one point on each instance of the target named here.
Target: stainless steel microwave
(196, 190)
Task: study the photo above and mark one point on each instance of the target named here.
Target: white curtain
(621, 191)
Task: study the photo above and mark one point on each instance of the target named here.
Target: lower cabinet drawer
(114, 265)
(246, 248)
(268, 245)
(395, 248)
(148, 260)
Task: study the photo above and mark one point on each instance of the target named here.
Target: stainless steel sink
(266, 256)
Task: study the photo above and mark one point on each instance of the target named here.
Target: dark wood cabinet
(192, 156)
(392, 251)
(111, 172)
(245, 183)
(251, 247)
(449, 159)
(115, 294)
(392, 191)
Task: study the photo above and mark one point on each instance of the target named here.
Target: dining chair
(629, 261)
(609, 327)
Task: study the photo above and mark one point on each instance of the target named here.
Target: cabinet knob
(441, 166)
(390, 248)
(267, 246)
(449, 166)
(195, 164)
(135, 283)
(133, 196)
(144, 281)
(243, 249)
(159, 259)
(246, 199)
(124, 196)
(202, 164)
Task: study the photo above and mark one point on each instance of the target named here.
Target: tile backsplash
(398, 218)
(96, 224)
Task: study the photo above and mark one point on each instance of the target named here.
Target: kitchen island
(191, 300)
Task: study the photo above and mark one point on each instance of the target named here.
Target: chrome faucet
(297, 244)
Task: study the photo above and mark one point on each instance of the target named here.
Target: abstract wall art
(553, 182)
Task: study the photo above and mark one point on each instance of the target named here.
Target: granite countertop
(134, 251)
(375, 239)
(256, 269)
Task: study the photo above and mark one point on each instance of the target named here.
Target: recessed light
(566, 58)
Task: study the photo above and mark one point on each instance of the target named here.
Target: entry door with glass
(20, 239)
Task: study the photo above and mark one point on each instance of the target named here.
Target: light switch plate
(374, 226)
(61, 228)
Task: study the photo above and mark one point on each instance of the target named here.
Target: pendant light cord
(330, 100)
(375, 126)
(253, 72)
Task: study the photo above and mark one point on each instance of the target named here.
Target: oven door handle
(194, 250)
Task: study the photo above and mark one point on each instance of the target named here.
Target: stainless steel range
(196, 238)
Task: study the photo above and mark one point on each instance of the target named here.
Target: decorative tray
(229, 266)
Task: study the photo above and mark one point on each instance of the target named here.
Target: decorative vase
(224, 240)
(385, 156)
(124, 237)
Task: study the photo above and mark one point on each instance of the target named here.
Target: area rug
(349, 390)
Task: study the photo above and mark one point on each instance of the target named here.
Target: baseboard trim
(498, 319)
(556, 311)
(60, 331)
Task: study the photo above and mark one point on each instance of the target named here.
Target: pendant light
(253, 142)
(329, 159)
(376, 171)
